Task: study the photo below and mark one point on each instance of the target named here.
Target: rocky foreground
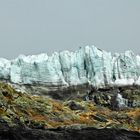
(27, 116)
(22, 133)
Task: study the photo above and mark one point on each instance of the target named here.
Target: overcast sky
(38, 26)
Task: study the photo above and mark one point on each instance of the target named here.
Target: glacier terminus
(88, 65)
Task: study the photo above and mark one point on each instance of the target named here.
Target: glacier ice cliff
(86, 65)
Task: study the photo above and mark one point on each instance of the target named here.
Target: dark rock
(37, 125)
(75, 106)
(135, 103)
(3, 125)
(23, 133)
(99, 118)
(122, 116)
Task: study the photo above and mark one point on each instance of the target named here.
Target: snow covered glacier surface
(86, 65)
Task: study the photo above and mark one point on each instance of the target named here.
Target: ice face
(86, 65)
(121, 102)
(5, 66)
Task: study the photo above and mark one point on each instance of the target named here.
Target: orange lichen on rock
(51, 113)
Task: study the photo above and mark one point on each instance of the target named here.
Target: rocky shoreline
(67, 114)
(89, 133)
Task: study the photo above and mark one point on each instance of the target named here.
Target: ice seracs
(5, 66)
(86, 65)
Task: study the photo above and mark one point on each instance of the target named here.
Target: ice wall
(86, 65)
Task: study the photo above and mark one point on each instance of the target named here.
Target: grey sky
(35, 26)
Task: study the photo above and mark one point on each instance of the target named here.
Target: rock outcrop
(87, 65)
(25, 116)
(23, 133)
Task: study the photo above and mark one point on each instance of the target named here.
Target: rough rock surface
(25, 116)
(22, 133)
(42, 112)
(87, 65)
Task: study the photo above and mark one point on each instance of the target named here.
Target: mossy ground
(44, 112)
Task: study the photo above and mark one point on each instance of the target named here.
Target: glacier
(88, 65)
